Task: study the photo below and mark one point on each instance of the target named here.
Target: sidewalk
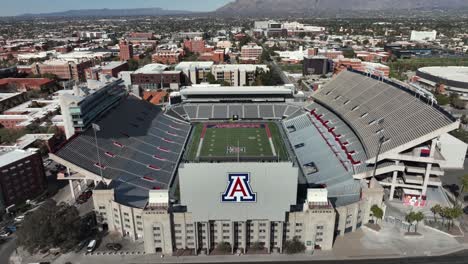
(363, 244)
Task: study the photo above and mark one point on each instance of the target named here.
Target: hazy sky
(15, 7)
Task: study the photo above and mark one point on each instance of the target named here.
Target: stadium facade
(361, 135)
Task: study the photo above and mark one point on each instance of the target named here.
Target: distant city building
(166, 57)
(27, 84)
(65, 70)
(237, 74)
(250, 53)
(195, 72)
(10, 100)
(95, 34)
(423, 35)
(29, 112)
(195, 45)
(155, 76)
(187, 35)
(8, 72)
(141, 35)
(22, 177)
(316, 65)
(453, 79)
(111, 69)
(216, 56)
(126, 50)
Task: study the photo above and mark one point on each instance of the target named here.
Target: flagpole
(238, 152)
(95, 128)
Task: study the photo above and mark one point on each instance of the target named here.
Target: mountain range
(110, 12)
(319, 8)
(290, 7)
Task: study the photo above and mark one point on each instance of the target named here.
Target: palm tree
(446, 214)
(418, 217)
(455, 213)
(463, 184)
(436, 209)
(410, 218)
(377, 212)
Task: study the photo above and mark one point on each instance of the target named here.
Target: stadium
(252, 166)
(453, 77)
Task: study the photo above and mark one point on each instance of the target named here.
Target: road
(455, 258)
(451, 179)
(7, 248)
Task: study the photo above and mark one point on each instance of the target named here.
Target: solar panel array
(139, 148)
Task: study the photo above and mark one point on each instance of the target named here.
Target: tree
(436, 209)
(377, 212)
(265, 57)
(464, 119)
(453, 213)
(224, 247)
(410, 219)
(210, 78)
(463, 184)
(257, 245)
(52, 225)
(294, 246)
(132, 65)
(418, 217)
(442, 99)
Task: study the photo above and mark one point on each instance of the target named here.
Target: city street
(7, 248)
(456, 258)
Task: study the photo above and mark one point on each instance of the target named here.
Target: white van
(91, 245)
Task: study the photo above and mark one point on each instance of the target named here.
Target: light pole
(381, 141)
(95, 129)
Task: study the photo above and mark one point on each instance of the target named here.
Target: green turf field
(211, 141)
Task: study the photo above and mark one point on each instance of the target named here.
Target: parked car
(19, 218)
(5, 233)
(91, 245)
(11, 228)
(83, 197)
(81, 245)
(114, 246)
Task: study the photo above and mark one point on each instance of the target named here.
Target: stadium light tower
(96, 128)
(381, 141)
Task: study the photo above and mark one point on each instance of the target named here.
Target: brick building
(153, 76)
(251, 53)
(166, 57)
(10, 100)
(27, 84)
(195, 45)
(112, 69)
(126, 50)
(216, 56)
(22, 177)
(65, 70)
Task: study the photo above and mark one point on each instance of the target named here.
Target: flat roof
(184, 65)
(453, 73)
(5, 96)
(230, 90)
(14, 155)
(113, 64)
(246, 67)
(151, 68)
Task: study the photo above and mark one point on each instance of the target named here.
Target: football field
(236, 140)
